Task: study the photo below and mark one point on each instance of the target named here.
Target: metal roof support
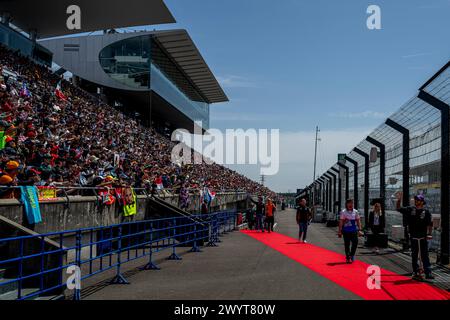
(405, 153)
(333, 201)
(405, 171)
(339, 188)
(366, 184)
(329, 192)
(347, 190)
(445, 172)
(382, 148)
(355, 180)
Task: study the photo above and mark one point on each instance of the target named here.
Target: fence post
(119, 278)
(174, 255)
(150, 265)
(42, 264)
(195, 247)
(219, 226)
(77, 294)
(19, 289)
(212, 231)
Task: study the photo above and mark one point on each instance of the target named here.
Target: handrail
(108, 247)
(178, 210)
(118, 186)
(77, 191)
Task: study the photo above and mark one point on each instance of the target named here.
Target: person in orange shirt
(270, 210)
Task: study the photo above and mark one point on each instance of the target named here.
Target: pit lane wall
(77, 212)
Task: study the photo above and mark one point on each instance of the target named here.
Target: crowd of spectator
(70, 138)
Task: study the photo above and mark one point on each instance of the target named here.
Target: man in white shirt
(350, 229)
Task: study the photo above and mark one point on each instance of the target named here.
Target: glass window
(128, 61)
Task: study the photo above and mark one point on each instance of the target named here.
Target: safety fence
(49, 193)
(39, 265)
(406, 155)
(109, 195)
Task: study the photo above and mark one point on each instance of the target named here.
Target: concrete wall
(30, 246)
(76, 212)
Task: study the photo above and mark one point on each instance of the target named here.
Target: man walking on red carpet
(350, 229)
(270, 210)
(303, 216)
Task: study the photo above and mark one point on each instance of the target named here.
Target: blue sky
(295, 64)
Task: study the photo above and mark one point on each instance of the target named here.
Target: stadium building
(158, 75)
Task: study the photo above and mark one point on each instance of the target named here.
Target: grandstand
(109, 125)
(159, 74)
(68, 137)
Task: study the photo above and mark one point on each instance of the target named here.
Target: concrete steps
(58, 297)
(12, 292)
(12, 295)
(4, 288)
(9, 291)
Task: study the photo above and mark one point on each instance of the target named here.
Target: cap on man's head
(12, 165)
(420, 197)
(110, 179)
(5, 179)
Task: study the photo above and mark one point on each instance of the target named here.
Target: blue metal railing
(35, 262)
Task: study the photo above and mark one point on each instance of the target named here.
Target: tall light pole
(315, 152)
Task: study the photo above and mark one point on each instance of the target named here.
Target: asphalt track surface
(252, 266)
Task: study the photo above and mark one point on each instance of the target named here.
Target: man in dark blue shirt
(303, 216)
(420, 225)
(260, 210)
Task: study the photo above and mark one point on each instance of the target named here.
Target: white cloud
(233, 81)
(414, 55)
(297, 156)
(368, 114)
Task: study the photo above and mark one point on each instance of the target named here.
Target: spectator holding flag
(59, 93)
(24, 92)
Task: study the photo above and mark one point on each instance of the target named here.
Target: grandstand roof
(177, 43)
(48, 17)
(183, 51)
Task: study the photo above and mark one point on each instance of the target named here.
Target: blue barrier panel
(32, 262)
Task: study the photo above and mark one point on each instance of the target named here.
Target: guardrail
(97, 250)
(65, 191)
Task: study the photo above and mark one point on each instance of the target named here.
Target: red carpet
(332, 266)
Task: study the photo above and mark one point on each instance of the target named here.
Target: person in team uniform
(420, 226)
(350, 228)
